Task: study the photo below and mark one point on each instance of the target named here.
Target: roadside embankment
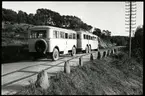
(113, 75)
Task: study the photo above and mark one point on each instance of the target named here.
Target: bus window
(70, 36)
(61, 34)
(74, 36)
(66, 35)
(55, 34)
(95, 38)
(86, 36)
(78, 36)
(91, 38)
(38, 34)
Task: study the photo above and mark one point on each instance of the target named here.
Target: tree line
(45, 17)
(52, 18)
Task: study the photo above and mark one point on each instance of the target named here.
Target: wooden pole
(130, 32)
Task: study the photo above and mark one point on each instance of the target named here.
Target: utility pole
(130, 19)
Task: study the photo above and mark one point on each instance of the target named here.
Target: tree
(22, 17)
(9, 15)
(138, 38)
(97, 32)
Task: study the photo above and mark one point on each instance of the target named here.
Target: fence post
(91, 56)
(81, 61)
(99, 55)
(67, 67)
(112, 51)
(108, 52)
(105, 54)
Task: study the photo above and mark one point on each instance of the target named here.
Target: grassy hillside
(15, 34)
(115, 75)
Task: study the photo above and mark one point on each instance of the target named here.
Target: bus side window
(55, 34)
(66, 35)
(61, 34)
(70, 35)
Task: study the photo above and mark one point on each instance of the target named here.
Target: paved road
(16, 75)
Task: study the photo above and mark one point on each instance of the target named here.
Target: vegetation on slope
(116, 75)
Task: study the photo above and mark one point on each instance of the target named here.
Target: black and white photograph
(72, 48)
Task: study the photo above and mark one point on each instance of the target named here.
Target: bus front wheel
(73, 53)
(55, 54)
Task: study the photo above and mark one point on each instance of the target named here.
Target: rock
(67, 67)
(42, 80)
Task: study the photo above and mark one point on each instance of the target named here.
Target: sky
(104, 15)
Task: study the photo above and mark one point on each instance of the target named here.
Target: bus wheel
(73, 53)
(87, 49)
(55, 54)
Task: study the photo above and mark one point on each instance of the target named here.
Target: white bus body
(85, 39)
(61, 39)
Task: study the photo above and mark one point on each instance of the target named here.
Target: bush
(14, 53)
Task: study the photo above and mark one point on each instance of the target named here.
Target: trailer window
(66, 35)
(74, 36)
(84, 36)
(87, 37)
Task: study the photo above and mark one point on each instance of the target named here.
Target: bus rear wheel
(55, 54)
(73, 53)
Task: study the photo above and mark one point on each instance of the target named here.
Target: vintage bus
(86, 41)
(51, 41)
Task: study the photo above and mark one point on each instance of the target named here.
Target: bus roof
(51, 27)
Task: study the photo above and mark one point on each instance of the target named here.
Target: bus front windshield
(38, 34)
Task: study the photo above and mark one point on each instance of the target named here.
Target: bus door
(79, 41)
(66, 44)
